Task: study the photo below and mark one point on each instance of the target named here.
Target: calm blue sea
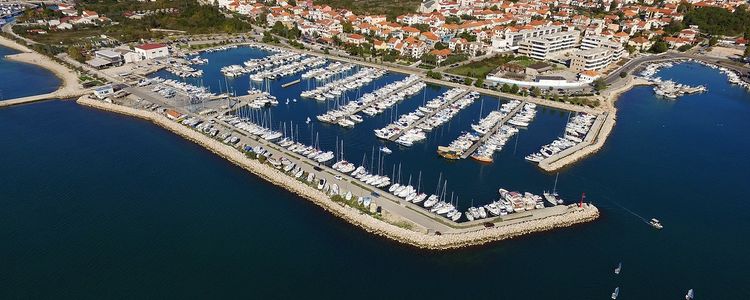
(97, 205)
(21, 80)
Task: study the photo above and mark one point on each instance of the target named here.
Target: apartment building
(595, 41)
(593, 59)
(544, 46)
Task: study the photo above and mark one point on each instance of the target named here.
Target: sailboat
(690, 295)
(385, 150)
(618, 269)
(616, 293)
(307, 121)
(553, 198)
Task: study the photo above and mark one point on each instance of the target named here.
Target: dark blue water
(21, 80)
(98, 205)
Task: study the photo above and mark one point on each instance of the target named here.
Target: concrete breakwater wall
(480, 235)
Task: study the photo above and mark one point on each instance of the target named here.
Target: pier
(492, 131)
(427, 116)
(42, 97)
(566, 156)
(291, 83)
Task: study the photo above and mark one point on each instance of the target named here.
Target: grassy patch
(480, 69)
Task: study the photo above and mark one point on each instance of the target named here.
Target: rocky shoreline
(571, 216)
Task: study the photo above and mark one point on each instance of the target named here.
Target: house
(172, 114)
(441, 55)
(152, 51)
(588, 76)
(355, 39)
(640, 43)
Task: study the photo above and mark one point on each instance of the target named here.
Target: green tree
(440, 46)
(514, 89)
(623, 74)
(659, 46)
(479, 83)
(599, 84)
(536, 91)
(422, 27)
(467, 81)
(746, 54)
(348, 27)
(75, 53)
(505, 88)
(433, 74)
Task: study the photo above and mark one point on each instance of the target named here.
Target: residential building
(595, 41)
(544, 46)
(591, 59)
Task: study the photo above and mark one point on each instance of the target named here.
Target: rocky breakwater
(570, 216)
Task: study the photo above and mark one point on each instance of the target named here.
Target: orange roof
(590, 73)
(444, 52)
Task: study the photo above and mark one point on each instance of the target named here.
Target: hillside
(391, 8)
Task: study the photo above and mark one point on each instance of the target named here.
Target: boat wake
(644, 220)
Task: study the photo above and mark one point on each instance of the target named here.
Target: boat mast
(419, 181)
(554, 189)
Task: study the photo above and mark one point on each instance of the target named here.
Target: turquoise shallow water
(20, 80)
(98, 205)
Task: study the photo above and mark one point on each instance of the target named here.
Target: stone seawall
(571, 216)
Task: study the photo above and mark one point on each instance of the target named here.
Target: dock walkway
(363, 107)
(587, 141)
(492, 131)
(42, 97)
(427, 116)
(291, 83)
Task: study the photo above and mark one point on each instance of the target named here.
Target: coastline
(609, 99)
(69, 86)
(570, 216)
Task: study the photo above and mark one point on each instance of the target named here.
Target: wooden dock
(427, 116)
(492, 131)
(288, 84)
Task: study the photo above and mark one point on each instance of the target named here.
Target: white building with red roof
(151, 51)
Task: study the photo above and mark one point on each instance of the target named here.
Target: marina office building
(544, 47)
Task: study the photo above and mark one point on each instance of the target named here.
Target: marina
(138, 144)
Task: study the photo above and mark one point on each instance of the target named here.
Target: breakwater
(564, 217)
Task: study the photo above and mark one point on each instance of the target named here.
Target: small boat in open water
(616, 293)
(618, 269)
(385, 150)
(656, 224)
(690, 295)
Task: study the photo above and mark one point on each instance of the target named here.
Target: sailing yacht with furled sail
(618, 269)
(690, 295)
